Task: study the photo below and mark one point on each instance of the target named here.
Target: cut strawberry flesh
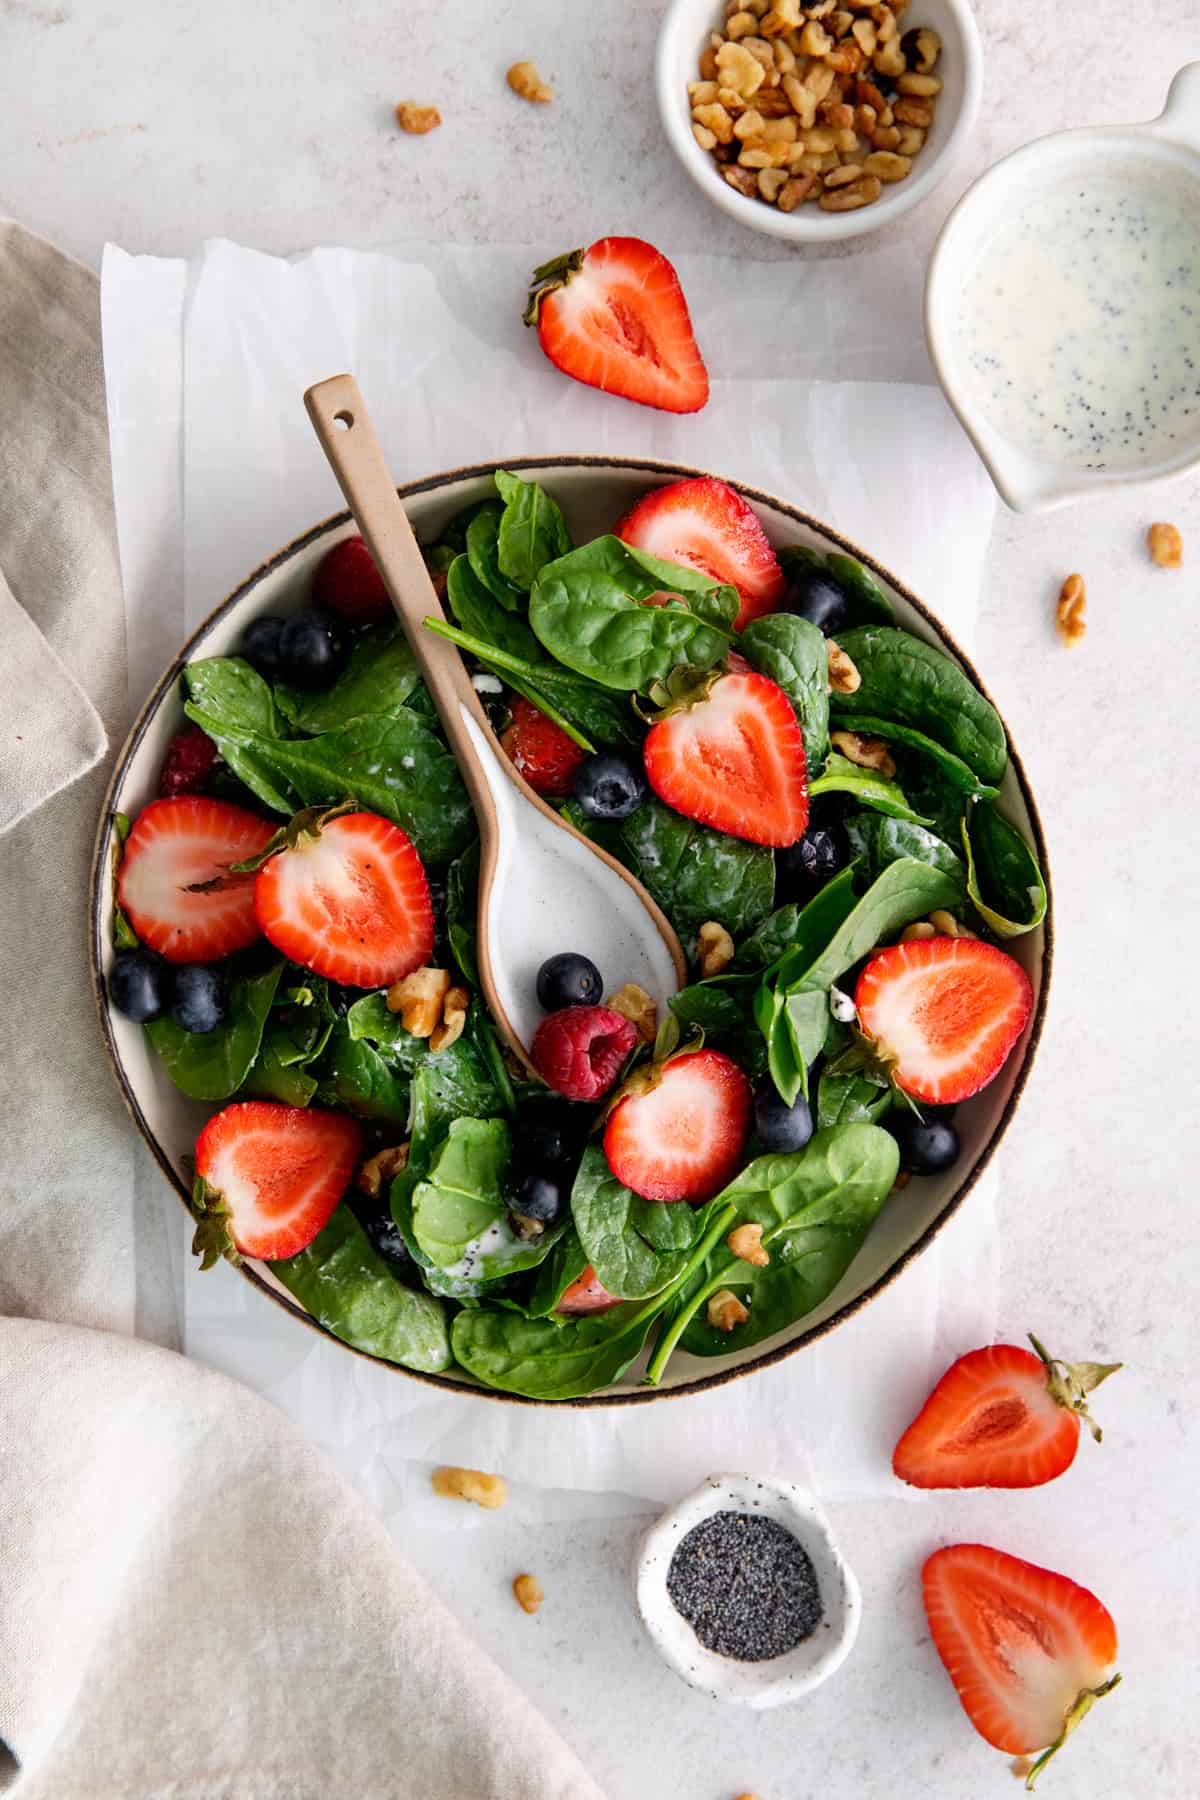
(540, 750)
(682, 1138)
(586, 1294)
(991, 1421)
(704, 524)
(734, 761)
(1020, 1643)
(176, 849)
(946, 1012)
(351, 904)
(280, 1170)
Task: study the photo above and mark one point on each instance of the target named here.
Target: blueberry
(814, 595)
(927, 1146)
(538, 1197)
(780, 1127)
(260, 647)
(310, 650)
(383, 1234)
(568, 980)
(198, 997)
(550, 1139)
(135, 985)
(608, 786)
(811, 861)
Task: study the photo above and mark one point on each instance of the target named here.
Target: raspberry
(186, 766)
(348, 584)
(540, 750)
(580, 1050)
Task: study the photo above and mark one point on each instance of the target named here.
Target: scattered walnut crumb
(454, 1017)
(419, 999)
(946, 925)
(1166, 546)
(635, 1004)
(844, 678)
(725, 1311)
(745, 1242)
(903, 1177)
(416, 119)
(747, 1797)
(470, 1484)
(1072, 611)
(1020, 1766)
(524, 80)
(714, 949)
(864, 752)
(918, 930)
(380, 1168)
(529, 1592)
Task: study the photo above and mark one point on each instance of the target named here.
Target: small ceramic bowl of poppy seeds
(745, 1593)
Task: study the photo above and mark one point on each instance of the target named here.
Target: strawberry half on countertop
(943, 1014)
(177, 885)
(269, 1178)
(1000, 1417)
(540, 750)
(706, 525)
(730, 754)
(614, 317)
(346, 896)
(678, 1133)
(1029, 1651)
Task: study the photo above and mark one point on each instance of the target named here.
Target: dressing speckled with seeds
(1081, 323)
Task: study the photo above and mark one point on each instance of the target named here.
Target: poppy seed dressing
(746, 1586)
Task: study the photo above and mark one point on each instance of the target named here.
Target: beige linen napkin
(192, 1603)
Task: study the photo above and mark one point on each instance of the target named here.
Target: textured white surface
(156, 123)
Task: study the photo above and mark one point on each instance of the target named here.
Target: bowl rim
(802, 226)
(101, 875)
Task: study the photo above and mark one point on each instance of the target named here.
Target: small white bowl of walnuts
(816, 120)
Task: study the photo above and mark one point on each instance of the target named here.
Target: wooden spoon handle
(349, 440)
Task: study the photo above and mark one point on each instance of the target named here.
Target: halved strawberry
(705, 524)
(347, 897)
(1001, 1417)
(615, 318)
(733, 759)
(1029, 1651)
(586, 1294)
(175, 884)
(269, 1178)
(540, 750)
(680, 1135)
(944, 1014)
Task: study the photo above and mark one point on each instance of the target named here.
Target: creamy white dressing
(1080, 321)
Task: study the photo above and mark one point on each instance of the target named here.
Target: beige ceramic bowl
(593, 492)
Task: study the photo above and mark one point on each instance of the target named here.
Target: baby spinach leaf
(233, 693)
(532, 530)
(587, 610)
(460, 1214)
(801, 931)
(951, 769)
(482, 616)
(851, 1099)
(696, 874)
(816, 1207)
(211, 1065)
(462, 882)
(907, 681)
(904, 891)
(565, 1264)
(878, 841)
(365, 1082)
(377, 682)
(607, 718)
(370, 1019)
(793, 1026)
(867, 601)
(636, 1246)
(277, 1074)
(483, 551)
(794, 654)
(867, 786)
(1004, 881)
(454, 531)
(726, 1017)
(349, 1288)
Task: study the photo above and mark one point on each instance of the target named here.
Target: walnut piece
(380, 1168)
(1072, 611)
(490, 1491)
(844, 678)
(416, 119)
(454, 1017)
(864, 752)
(1166, 546)
(635, 1004)
(745, 1242)
(946, 925)
(524, 80)
(419, 999)
(725, 1311)
(917, 931)
(714, 948)
(529, 1592)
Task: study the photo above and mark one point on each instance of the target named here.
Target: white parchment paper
(821, 394)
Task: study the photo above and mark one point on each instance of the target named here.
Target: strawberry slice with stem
(1001, 1417)
(1029, 1651)
(705, 524)
(268, 1178)
(614, 317)
(179, 883)
(678, 1130)
(943, 1014)
(727, 751)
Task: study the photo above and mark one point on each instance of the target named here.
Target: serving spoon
(543, 887)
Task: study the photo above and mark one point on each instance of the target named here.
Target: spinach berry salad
(807, 790)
